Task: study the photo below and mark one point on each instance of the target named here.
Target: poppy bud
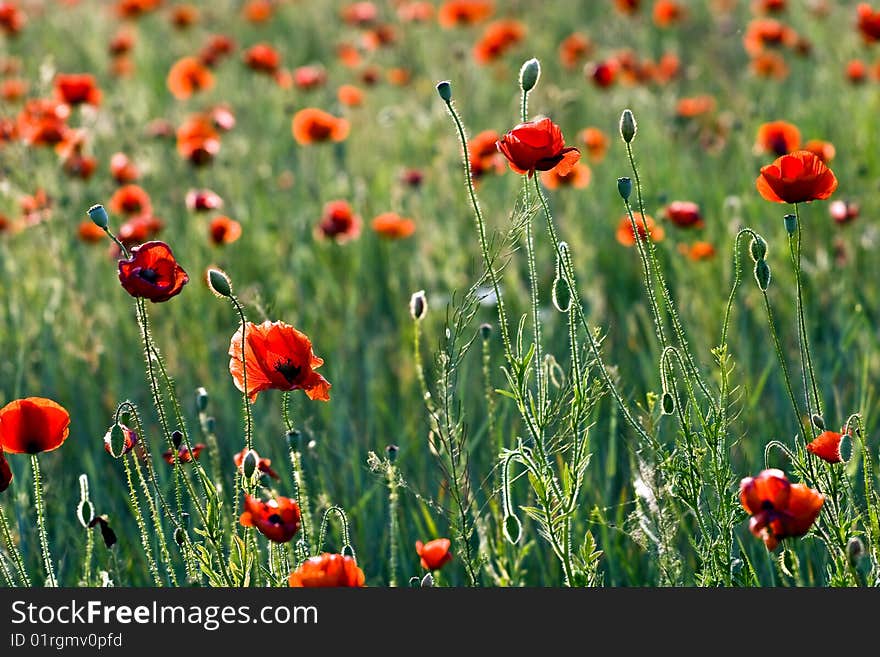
(179, 536)
(210, 424)
(415, 582)
(758, 248)
(117, 441)
(391, 451)
(628, 126)
(668, 403)
(854, 550)
(624, 188)
(201, 399)
(790, 223)
(249, 464)
(427, 581)
(762, 274)
(818, 422)
(512, 529)
(99, 217)
(184, 519)
(445, 90)
(485, 331)
(176, 438)
(85, 512)
(529, 74)
(561, 294)
(219, 283)
(418, 305)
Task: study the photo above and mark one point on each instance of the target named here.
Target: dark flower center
(766, 505)
(274, 519)
(149, 274)
(288, 370)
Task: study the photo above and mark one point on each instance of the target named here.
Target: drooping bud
(427, 581)
(176, 438)
(512, 528)
(201, 399)
(790, 223)
(418, 305)
(99, 217)
(762, 274)
(414, 582)
(485, 331)
(444, 88)
(392, 451)
(758, 248)
(818, 421)
(668, 403)
(179, 536)
(116, 441)
(529, 74)
(249, 464)
(219, 283)
(624, 187)
(628, 126)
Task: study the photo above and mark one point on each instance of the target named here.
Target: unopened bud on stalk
(624, 187)
(176, 438)
(668, 403)
(99, 217)
(179, 536)
(790, 223)
(249, 464)
(444, 88)
(210, 424)
(628, 126)
(854, 550)
(818, 422)
(392, 451)
(762, 274)
(415, 582)
(529, 74)
(486, 331)
(219, 283)
(184, 520)
(418, 305)
(427, 581)
(116, 441)
(758, 248)
(512, 529)
(201, 399)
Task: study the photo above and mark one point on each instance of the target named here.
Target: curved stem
(249, 430)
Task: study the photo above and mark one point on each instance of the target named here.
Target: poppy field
(439, 293)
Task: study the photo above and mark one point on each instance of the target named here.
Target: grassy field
(608, 501)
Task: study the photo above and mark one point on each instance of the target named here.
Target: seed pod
(818, 422)
(444, 88)
(249, 464)
(99, 217)
(176, 438)
(201, 399)
(624, 187)
(219, 283)
(485, 331)
(628, 126)
(418, 305)
(529, 74)
(762, 274)
(758, 248)
(512, 528)
(392, 451)
(790, 223)
(667, 403)
(179, 536)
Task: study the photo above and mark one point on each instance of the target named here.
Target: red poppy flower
(843, 212)
(764, 33)
(497, 39)
(188, 76)
(688, 108)
(827, 446)
(139, 229)
(769, 65)
(258, 11)
(311, 126)
(13, 89)
(596, 142)
(122, 42)
(217, 47)
(197, 140)
(262, 58)
(136, 8)
(868, 22)
(698, 251)
(779, 137)
(152, 273)
(420, 11)
(602, 74)
(684, 214)
(203, 200)
(625, 233)
(769, 6)
(309, 77)
(359, 13)
(327, 570)
(42, 122)
(574, 49)
(627, 6)
(350, 95)
(578, 177)
(667, 12)
(779, 509)
(222, 117)
(796, 178)
(263, 465)
(131, 439)
(339, 222)
(537, 146)
(434, 554)
(391, 225)
(279, 358)
(223, 230)
(184, 16)
(33, 425)
(123, 169)
(12, 19)
(75, 89)
(5, 473)
(454, 13)
(483, 154)
(412, 178)
(184, 455)
(130, 200)
(824, 150)
(856, 71)
(88, 232)
(278, 519)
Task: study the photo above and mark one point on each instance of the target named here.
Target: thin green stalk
(51, 581)
(392, 524)
(807, 362)
(142, 526)
(7, 576)
(646, 271)
(299, 479)
(12, 548)
(249, 422)
(157, 522)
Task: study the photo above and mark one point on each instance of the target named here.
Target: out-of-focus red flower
(769, 6)
(203, 200)
(42, 122)
(36, 207)
(33, 425)
(537, 146)
(769, 65)
(626, 236)
(578, 177)
(827, 446)
(223, 230)
(139, 229)
(434, 554)
(123, 169)
(693, 106)
(5, 472)
(90, 233)
(698, 251)
(359, 13)
(628, 6)
(263, 465)
(456, 13)
(136, 8)
(327, 570)
(222, 117)
(381, 36)
(667, 13)
(602, 74)
(309, 77)
(258, 11)
(391, 225)
(350, 95)
(779, 137)
(763, 33)
(412, 178)
(278, 357)
(497, 39)
(843, 212)
(184, 454)
(595, 142)
(868, 22)
(483, 154)
(574, 49)
(184, 16)
(262, 58)
(12, 19)
(197, 140)
(338, 222)
(130, 200)
(13, 89)
(796, 178)
(217, 47)
(415, 12)
(152, 273)
(188, 76)
(779, 509)
(856, 71)
(824, 150)
(122, 42)
(311, 126)
(684, 214)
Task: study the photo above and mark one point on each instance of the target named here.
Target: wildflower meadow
(450, 293)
